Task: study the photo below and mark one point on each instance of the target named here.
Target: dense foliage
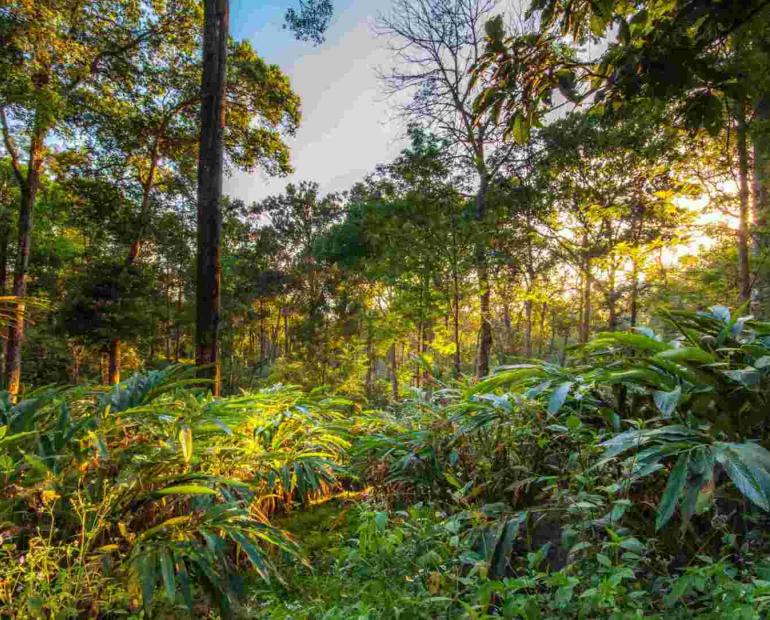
(521, 370)
(543, 491)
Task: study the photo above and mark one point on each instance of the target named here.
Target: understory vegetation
(518, 370)
(631, 482)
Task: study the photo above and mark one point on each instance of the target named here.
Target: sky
(347, 122)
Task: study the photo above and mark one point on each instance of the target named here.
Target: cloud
(347, 126)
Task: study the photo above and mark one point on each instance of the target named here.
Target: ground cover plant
(492, 342)
(615, 496)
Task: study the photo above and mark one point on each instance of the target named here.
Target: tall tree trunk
(634, 291)
(370, 361)
(612, 301)
(210, 169)
(114, 362)
(178, 329)
(563, 354)
(5, 234)
(761, 206)
(5, 237)
(261, 331)
(585, 323)
(417, 369)
(393, 371)
(286, 342)
(456, 321)
(541, 330)
(485, 292)
(528, 328)
(744, 269)
(508, 325)
(552, 340)
(144, 211)
(26, 209)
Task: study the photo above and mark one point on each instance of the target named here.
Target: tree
(308, 23)
(298, 218)
(610, 193)
(52, 52)
(437, 43)
(145, 136)
(110, 304)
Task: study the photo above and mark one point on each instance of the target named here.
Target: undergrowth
(632, 483)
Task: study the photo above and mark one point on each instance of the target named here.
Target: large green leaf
(743, 475)
(667, 401)
(673, 490)
(559, 397)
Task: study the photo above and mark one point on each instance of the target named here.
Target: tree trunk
(210, 169)
(585, 323)
(114, 362)
(482, 267)
(178, 330)
(744, 269)
(528, 328)
(144, 212)
(541, 330)
(417, 373)
(634, 292)
(261, 332)
(369, 384)
(5, 235)
(26, 208)
(393, 371)
(286, 341)
(552, 340)
(456, 322)
(612, 301)
(563, 355)
(761, 206)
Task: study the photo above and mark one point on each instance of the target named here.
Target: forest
(521, 370)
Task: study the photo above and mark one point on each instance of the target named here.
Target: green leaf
(686, 354)
(381, 520)
(742, 475)
(186, 441)
(147, 577)
(167, 570)
(672, 491)
(502, 551)
(667, 401)
(558, 397)
(186, 489)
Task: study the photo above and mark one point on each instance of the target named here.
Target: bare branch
(10, 146)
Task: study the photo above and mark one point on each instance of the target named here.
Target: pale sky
(347, 123)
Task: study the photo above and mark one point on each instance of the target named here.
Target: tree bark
(114, 362)
(5, 235)
(744, 269)
(541, 330)
(144, 212)
(528, 328)
(393, 371)
(585, 323)
(761, 205)
(210, 170)
(612, 296)
(369, 384)
(485, 313)
(456, 321)
(634, 292)
(26, 208)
